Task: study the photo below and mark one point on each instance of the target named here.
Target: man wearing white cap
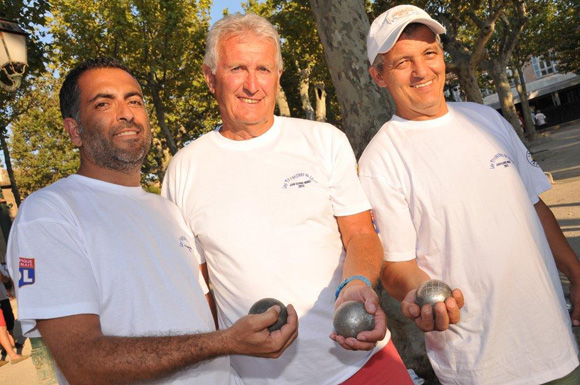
(455, 197)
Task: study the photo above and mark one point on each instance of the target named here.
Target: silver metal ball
(432, 292)
(351, 318)
(264, 304)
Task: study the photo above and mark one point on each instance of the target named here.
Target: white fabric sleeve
(64, 282)
(346, 193)
(530, 172)
(392, 219)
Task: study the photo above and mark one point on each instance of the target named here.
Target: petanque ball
(432, 292)
(264, 304)
(351, 318)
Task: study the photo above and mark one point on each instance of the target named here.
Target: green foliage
(163, 42)
(563, 35)
(30, 16)
(41, 150)
(301, 50)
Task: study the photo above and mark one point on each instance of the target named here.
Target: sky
(220, 5)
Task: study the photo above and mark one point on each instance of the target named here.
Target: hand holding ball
(351, 318)
(264, 304)
(432, 292)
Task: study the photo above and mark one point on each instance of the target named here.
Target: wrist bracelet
(343, 283)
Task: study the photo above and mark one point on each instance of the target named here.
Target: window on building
(543, 67)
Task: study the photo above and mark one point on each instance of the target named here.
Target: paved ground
(558, 153)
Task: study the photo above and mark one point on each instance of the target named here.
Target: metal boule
(351, 318)
(264, 304)
(432, 292)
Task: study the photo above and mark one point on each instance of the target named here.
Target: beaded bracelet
(343, 283)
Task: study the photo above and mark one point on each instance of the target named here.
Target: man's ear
(209, 78)
(72, 128)
(378, 77)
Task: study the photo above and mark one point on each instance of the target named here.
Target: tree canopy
(323, 46)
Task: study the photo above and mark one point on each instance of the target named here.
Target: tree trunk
(468, 84)
(13, 186)
(320, 93)
(464, 66)
(530, 128)
(160, 114)
(304, 87)
(342, 27)
(497, 70)
(282, 102)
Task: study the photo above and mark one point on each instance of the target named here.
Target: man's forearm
(86, 356)
(399, 278)
(115, 360)
(363, 257)
(364, 253)
(564, 256)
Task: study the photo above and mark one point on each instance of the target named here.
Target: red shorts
(385, 367)
(2, 320)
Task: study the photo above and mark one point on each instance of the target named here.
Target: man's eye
(402, 63)
(100, 105)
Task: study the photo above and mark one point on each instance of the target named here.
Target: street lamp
(13, 57)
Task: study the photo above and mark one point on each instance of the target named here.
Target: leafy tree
(41, 150)
(306, 77)
(541, 15)
(162, 42)
(564, 35)
(30, 16)
(509, 28)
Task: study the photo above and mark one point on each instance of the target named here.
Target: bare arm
(564, 256)
(401, 280)
(364, 255)
(86, 356)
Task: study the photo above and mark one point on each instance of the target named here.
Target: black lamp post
(13, 54)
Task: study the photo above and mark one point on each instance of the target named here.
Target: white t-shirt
(540, 118)
(263, 214)
(457, 193)
(84, 246)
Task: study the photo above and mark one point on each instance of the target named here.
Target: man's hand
(438, 317)
(252, 337)
(366, 340)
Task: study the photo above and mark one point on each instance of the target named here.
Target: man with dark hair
(108, 274)
(455, 196)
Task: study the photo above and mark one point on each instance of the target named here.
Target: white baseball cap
(387, 28)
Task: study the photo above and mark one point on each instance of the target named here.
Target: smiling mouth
(126, 133)
(249, 101)
(423, 84)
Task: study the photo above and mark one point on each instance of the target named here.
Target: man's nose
(124, 112)
(251, 82)
(420, 68)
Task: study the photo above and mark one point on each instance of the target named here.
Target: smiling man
(107, 274)
(455, 196)
(277, 211)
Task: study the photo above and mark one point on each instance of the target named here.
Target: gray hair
(410, 30)
(235, 25)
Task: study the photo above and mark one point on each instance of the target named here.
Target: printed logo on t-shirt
(531, 159)
(184, 242)
(500, 160)
(27, 272)
(298, 181)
